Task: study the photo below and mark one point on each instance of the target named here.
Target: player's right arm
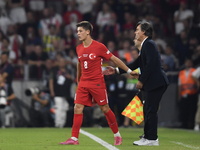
(120, 64)
(78, 71)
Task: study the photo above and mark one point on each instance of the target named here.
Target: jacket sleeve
(150, 54)
(134, 65)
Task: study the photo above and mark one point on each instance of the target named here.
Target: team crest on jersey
(92, 56)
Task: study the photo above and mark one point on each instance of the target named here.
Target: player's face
(139, 33)
(82, 33)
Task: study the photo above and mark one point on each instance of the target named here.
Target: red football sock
(112, 121)
(78, 119)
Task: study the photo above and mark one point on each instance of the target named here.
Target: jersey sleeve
(105, 53)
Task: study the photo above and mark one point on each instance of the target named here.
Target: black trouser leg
(151, 105)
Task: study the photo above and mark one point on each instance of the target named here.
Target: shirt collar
(143, 41)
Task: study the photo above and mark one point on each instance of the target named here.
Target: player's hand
(109, 71)
(139, 85)
(135, 74)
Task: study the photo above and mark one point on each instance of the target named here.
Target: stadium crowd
(42, 35)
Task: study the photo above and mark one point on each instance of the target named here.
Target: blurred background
(38, 58)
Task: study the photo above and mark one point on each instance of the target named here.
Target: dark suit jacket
(152, 73)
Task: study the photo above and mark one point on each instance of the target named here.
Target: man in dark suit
(153, 80)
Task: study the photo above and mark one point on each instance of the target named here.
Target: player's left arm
(78, 71)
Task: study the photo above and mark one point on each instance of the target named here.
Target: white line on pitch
(98, 140)
(189, 146)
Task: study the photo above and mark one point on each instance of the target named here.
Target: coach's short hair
(85, 25)
(147, 28)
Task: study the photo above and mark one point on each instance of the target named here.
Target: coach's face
(137, 43)
(82, 33)
(139, 34)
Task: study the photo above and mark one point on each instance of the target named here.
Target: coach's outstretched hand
(135, 74)
(109, 71)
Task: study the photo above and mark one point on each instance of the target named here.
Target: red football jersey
(91, 61)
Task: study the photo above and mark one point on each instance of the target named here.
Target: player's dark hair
(147, 28)
(85, 25)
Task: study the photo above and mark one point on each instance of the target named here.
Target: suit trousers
(150, 108)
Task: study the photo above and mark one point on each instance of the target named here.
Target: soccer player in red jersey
(91, 82)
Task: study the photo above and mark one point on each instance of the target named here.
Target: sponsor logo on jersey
(79, 57)
(108, 52)
(85, 55)
(92, 56)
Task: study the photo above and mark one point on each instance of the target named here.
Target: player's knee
(105, 109)
(78, 109)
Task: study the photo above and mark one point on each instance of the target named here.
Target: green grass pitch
(49, 138)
